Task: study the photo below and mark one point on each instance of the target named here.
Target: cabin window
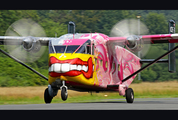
(118, 67)
(101, 62)
(106, 64)
(113, 67)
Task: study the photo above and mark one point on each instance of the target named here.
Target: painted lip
(70, 67)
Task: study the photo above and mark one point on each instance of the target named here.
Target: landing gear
(52, 91)
(47, 97)
(129, 95)
(64, 93)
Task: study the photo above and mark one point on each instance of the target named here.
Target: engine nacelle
(134, 43)
(30, 44)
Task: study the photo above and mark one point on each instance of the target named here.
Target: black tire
(129, 95)
(64, 94)
(47, 97)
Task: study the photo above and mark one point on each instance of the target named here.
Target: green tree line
(101, 21)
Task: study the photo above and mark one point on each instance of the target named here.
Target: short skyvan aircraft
(87, 61)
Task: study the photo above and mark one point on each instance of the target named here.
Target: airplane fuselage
(89, 62)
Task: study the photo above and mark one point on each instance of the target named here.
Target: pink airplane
(94, 61)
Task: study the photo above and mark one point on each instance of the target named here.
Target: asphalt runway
(109, 104)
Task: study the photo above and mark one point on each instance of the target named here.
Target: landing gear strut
(64, 93)
(129, 95)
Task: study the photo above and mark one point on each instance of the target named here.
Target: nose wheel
(64, 93)
(52, 91)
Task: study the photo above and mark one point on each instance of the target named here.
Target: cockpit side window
(88, 49)
(51, 50)
(85, 48)
(82, 49)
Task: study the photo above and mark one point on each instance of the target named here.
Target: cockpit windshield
(84, 48)
(66, 49)
(60, 49)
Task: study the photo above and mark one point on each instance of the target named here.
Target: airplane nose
(66, 66)
(70, 67)
(57, 67)
(60, 68)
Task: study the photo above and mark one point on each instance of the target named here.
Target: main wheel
(47, 97)
(64, 93)
(129, 95)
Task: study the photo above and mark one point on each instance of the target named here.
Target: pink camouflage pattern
(113, 64)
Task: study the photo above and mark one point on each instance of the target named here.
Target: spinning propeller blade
(132, 29)
(28, 49)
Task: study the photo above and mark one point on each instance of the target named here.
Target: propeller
(29, 49)
(132, 29)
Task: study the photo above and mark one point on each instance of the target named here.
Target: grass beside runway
(34, 95)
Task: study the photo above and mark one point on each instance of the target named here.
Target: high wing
(14, 40)
(153, 39)
(162, 38)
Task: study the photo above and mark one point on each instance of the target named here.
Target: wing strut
(150, 64)
(17, 60)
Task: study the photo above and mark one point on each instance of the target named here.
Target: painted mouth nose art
(71, 67)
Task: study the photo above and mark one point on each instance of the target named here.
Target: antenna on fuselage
(71, 27)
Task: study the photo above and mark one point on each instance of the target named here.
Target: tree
(30, 14)
(156, 23)
(85, 20)
(52, 27)
(7, 17)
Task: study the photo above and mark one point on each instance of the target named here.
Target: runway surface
(109, 104)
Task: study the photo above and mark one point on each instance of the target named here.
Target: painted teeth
(73, 67)
(56, 67)
(79, 67)
(66, 67)
(85, 68)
